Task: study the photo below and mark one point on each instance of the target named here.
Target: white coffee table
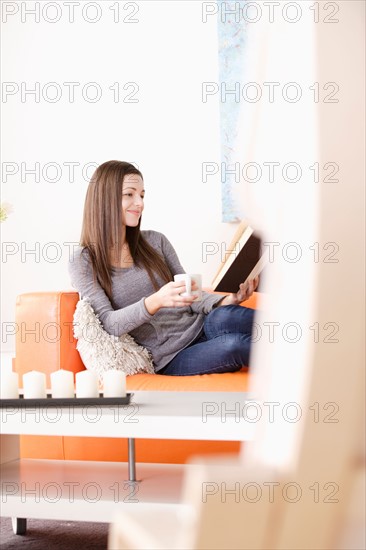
(94, 491)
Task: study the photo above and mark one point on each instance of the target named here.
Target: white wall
(321, 376)
(276, 129)
(322, 293)
(168, 53)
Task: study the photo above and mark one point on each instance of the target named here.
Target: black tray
(50, 401)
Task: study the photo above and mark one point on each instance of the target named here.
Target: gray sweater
(166, 332)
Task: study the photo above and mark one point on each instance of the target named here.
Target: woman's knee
(226, 319)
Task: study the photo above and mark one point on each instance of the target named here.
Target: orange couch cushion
(199, 382)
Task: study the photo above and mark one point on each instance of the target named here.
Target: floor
(55, 535)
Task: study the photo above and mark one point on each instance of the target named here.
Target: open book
(245, 259)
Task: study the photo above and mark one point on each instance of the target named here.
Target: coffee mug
(188, 278)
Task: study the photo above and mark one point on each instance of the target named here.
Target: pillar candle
(114, 382)
(34, 383)
(87, 384)
(9, 385)
(62, 383)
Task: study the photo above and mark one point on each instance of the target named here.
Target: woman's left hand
(245, 291)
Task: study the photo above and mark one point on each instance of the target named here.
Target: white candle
(87, 384)
(34, 383)
(114, 383)
(9, 385)
(62, 383)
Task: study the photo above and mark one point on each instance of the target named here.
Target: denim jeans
(222, 346)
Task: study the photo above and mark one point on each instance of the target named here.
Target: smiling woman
(133, 194)
(127, 275)
(112, 217)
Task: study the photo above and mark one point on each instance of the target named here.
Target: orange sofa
(45, 342)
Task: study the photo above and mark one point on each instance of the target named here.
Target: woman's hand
(244, 293)
(169, 296)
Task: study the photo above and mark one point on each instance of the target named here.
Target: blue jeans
(222, 346)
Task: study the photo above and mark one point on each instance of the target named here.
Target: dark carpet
(58, 535)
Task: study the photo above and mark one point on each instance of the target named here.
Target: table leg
(131, 460)
(19, 526)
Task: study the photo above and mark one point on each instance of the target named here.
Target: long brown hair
(102, 227)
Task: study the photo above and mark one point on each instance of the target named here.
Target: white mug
(188, 278)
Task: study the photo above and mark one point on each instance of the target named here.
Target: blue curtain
(231, 28)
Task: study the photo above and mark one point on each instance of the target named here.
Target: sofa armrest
(44, 338)
(252, 303)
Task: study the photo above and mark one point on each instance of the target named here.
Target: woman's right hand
(169, 296)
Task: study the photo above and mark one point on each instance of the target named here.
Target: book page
(237, 236)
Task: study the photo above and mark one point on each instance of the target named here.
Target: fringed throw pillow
(101, 351)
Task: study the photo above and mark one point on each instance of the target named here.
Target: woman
(128, 276)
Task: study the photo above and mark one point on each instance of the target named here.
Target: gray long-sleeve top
(166, 332)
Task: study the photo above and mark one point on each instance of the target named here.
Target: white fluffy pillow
(101, 351)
